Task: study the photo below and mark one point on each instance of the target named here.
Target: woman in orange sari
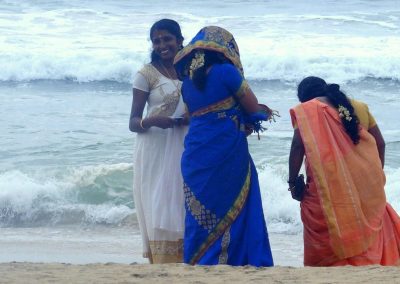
(346, 218)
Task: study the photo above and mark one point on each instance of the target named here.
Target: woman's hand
(163, 122)
(248, 129)
(270, 112)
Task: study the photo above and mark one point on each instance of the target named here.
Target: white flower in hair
(197, 62)
(344, 113)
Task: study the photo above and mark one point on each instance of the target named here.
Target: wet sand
(17, 272)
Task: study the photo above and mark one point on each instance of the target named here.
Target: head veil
(209, 38)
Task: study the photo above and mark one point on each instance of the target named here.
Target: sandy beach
(23, 272)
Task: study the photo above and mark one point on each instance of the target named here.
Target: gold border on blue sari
(226, 221)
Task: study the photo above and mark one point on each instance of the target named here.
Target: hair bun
(333, 87)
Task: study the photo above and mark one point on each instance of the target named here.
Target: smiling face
(165, 44)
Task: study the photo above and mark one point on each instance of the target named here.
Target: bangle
(141, 125)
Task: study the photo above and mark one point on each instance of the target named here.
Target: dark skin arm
(380, 142)
(138, 103)
(250, 103)
(296, 156)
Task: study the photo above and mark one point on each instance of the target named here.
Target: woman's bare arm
(380, 142)
(250, 104)
(296, 156)
(136, 123)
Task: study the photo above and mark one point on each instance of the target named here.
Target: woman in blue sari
(224, 216)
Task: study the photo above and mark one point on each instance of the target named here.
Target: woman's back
(364, 116)
(344, 211)
(223, 81)
(224, 221)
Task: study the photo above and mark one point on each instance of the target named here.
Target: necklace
(166, 71)
(170, 77)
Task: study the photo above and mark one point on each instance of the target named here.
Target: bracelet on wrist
(141, 125)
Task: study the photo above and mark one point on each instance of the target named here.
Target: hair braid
(340, 101)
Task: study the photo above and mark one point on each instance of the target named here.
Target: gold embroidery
(170, 100)
(239, 125)
(221, 105)
(226, 238)
(169, 104)
(243, 90)
(203, 216)
(223, 38)
(221, 114)
(166, 247)
(195, 206)
(165, 251)
(215, 39)
(150, 73)
(227, 221)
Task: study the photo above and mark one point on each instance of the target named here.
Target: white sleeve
(140, 82)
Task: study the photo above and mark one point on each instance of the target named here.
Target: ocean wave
(88, 195)
(282, 213)
(77, 67)
(109, 41)
(280, 217)
(358, 18)
(392, 187)
(121, 67)
(102, 195)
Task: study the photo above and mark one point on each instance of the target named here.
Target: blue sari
(224, 217)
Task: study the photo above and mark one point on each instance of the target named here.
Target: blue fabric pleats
(224, 216)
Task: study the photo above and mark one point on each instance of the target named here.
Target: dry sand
(20, 272)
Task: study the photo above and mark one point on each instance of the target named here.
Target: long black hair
(200, 74)
(168, 25)
(312, 87)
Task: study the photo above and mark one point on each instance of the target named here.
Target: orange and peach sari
(346, 218)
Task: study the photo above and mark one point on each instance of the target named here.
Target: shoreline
(108, 245)
(27, 272)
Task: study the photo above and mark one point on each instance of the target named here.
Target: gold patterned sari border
(218, 106)
(243, 90)
(315, 161)
(226, 239)
(213, 46)
(318, 173)
(226, 221)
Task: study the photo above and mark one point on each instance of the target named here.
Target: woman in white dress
(157, 182)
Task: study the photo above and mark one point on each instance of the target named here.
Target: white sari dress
(157, 179)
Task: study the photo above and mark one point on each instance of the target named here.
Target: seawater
(67, 158)
(66, 69)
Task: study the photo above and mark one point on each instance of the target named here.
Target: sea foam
(106, 41)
